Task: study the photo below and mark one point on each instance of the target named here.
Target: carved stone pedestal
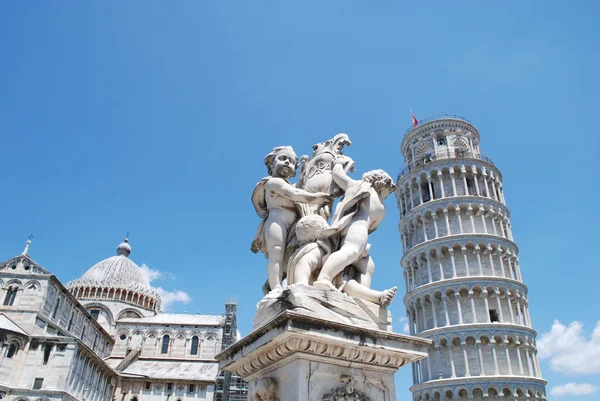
(297, 356)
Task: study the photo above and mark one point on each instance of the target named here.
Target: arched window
(11, 294)
(56, 308)
(194, 350)
(12, 350)
(165, 345)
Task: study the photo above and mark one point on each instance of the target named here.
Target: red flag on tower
(414, 119)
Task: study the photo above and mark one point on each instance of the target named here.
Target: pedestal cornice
(292, 335)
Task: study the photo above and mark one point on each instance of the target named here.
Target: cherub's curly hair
(380, 180)
(273, 154)
(310, 227)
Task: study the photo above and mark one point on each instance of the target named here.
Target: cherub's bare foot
(274, 293)
(387, 297)
(325, 285)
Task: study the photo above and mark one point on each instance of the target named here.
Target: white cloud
(150, 274)
(573, 389)
(404, 321)
(168, 297)
(570, 350)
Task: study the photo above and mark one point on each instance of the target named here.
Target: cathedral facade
(103, 337)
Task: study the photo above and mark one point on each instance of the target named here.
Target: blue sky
(154, 118)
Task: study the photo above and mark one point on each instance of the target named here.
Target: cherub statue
(274, 199)
(355, 280)
(358, 214)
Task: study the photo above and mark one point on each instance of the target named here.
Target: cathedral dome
(116, 278)
(116, 271)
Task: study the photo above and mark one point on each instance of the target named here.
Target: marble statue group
(303, 239)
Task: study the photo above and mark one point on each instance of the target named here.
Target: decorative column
(429, 268)
(484, 294)
(446, 315)
(451, 252)
(463, 345)
(434, 312)
(439, 258)
(441, 178)
(479, 353)
(452, 368)
(473, 309)
(518, 347)
(495, 357)
(458, 308)
(434, 217)
(451, 171)
(466, 259)
(448, 232)
(477, 253)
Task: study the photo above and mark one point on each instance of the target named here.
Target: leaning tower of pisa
(464, 288)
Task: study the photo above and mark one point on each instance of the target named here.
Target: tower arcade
(464, 288)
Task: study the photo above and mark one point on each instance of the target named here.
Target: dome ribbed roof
(117, 272)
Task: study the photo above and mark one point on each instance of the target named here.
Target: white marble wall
(161, 390)
(150, 339)
(59, 365)
(59, 313)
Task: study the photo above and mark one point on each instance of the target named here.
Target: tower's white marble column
(463, 345)
(474, 171)
(458, 307)
(500, 315)
(484, 294)
(451, 252)
(480, 355)
(446, 315)
(491, 257)
(452, 178)
(521, 371)
(448, 231)
(434, 312)
(473, 309)
(441, 178)
(495, 357)
(477, 253)
(441, 265)
(452, 368)
(508, 361)
(466, 259)
(428, 257)
(471, 218)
